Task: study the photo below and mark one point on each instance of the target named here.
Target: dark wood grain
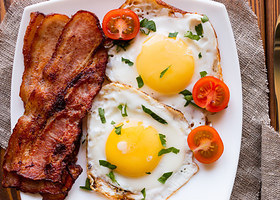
(267, 12)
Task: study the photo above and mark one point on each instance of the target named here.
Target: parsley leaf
(87, 185)
(199, 29)
(111, 175)
(118, 129)
(112, 122)
(164, 177)
(162, 139)
(154, 115)
(148, 172)
(203, 73)
(190, 35)
(143, 191)
(164, 71)
(147, 24)
(187, 96)
(126, 61)
(173, 35)
(122, 108)
(101, 113)
(165, 151)
(140, 81)
(204, 19)
(121, 44)
(105, 163)
(199, 55)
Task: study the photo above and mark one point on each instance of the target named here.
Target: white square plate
(214, 181)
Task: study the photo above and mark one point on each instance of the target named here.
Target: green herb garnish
(126, 61)
(154, 115)
(87, 185)
(162, 139)
(122, 108)
(111, 175)
(187, 96)
(101, 113)
(203, 74)
(164, 71)
(112, 122)
(204, 19)
(148, 172)
(199, 55)
(173, 35)
(165, 151)
(140, 81)
(147, 24)
(118, 129)
(121, 44)
(164, 177)
(105, 163)
(190, 35)
(199, 29)
(143, 191)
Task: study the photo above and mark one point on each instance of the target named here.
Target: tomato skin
(206, 144)
(121, 24)
(211, 93)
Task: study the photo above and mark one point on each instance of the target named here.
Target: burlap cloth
(258, 174)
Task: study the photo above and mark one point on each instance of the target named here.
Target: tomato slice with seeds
(211, 93)
(206, 144)
(121, 24)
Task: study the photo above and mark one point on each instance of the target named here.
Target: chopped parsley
(203, 73)
(128, 62)
(140, 81)
(143, 191)
(165, 151)
(122, 108)
(164, 177)
(105, 163)
(118, 129)
(199, 32)
(147, 26)
(173, 35)
(204, 19)
(148, 172)
(111, 175)
(164, 71)
(199, 29)
(101, 113)
(199, 55)
(112, 122)
(121, 44)
(154, 115)
(162, 139)
(187, 96)
(87, 185)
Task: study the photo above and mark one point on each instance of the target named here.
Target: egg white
(176, 132)
(118, 71)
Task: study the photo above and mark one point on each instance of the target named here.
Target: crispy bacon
(42, 147)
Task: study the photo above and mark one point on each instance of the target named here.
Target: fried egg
(127, 129)
(170, 59)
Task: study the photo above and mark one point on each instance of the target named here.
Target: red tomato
(206, 144)
(121, 24)
(211, 93)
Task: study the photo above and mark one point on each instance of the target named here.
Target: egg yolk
(165, 64)
(135, 150)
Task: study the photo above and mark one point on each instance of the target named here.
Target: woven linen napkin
(258, 174)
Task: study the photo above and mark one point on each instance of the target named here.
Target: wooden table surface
(267, 12)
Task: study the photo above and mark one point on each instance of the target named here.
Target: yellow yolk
(135, 150)
(160, 53)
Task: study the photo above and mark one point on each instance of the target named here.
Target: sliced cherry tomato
(206, 144)
(211, 93)
(121, 24)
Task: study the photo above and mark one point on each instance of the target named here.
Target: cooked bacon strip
(38, 48)
(52, 103)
